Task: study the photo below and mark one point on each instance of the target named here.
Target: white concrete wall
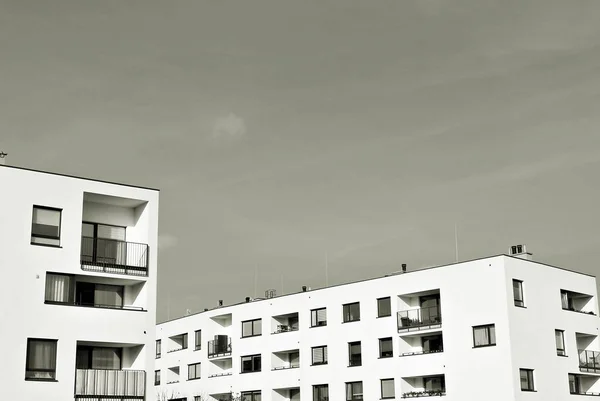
(23, 313)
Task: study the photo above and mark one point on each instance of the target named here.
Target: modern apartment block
(496, 329)
(79, 261)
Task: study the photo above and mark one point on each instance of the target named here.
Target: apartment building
(77, 313)
(497, 329)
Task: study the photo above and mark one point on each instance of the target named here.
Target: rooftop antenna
(456, 241)
(326, 269)
(2, 157)
(255, 279)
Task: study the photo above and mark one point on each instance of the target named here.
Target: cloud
(166, 241)
(229, 128)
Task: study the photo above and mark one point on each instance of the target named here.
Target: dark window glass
(484, 335)
(251, 363)
(319, 355)
(384, 307)
(526, 379)
(318, 317)
(45, 226)
(194, 371)
(41, 359)
(351, 312)
(354, 354)
(386, 348)
(518, 292)
(321, 392)
(354, 391)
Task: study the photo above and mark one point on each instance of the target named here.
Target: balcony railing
(425, 393)
(420, 318)
(431, 351)
(218, 348)
(114, 256)
(589, 361)
(101, 306)
(290, 366)
(284, 328)
(584, 393)
(130, 384)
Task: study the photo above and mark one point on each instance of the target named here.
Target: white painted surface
(23, 313)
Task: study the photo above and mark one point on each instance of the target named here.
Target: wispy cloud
(228, 128)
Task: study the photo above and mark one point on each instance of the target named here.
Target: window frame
(520, 303)
(314, 321)
(52, 361)
(184, 341)
(317, 388)
(252, 321)
(389, 300)
(576, 388)
(250, 395)
(346, 315)
(391, 340)
(198, 340)
(350, 354)
(157, 377)
(252, 359)
(489, 334)
(352, 395)
(47, 237)
(158, 349)
(325, 355)
(560, 351)
(393, 388)
(530, 379)
(196, 366)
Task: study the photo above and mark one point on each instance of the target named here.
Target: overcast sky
(281, 131)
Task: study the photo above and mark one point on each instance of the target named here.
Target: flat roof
(377, 278)
(79, 178)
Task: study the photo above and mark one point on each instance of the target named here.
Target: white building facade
(79, 258)
(496, 329)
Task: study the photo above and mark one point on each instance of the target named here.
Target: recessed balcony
(589, 361)
(109, 384)
(420, 319)
(219, 347)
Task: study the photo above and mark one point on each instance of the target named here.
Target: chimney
(520, 251)
(205, 309)
(303, 288)
(247, 299)
(403, 267)
(220, 302)
(3, 157)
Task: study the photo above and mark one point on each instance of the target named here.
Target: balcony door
(103, 243)
(430, 308)
(102, 358)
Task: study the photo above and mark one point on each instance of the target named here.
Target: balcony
(101, 383)
(420, 319)
(425, 393)
(589, 361)
(114, 256)
(220, 347)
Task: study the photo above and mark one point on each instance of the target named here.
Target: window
(198, 339)
(184, 341)
(194, 371)
(351, 312)
(387, 388)
(574, 384)
(435, 384)
(321, 392)
(251, 328)
(250, 396)
(59, 288)
(251, 363)
(88, 357)
(158, 348)
(354, 354)
(41, 359)
(157, 377)
(354, 391)
(526, 379)
(518, 293)
(484, 336)
(384, 307)
(99, 295)
(319, 355)
(45, 226)
(318, 317)
(432, 344)
(560, 342)
(386, 349)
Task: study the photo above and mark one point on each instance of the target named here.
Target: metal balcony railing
(589, 361)
(424, 393)
(219, 348)
(420, 318)
(129, 384)
(114, 256)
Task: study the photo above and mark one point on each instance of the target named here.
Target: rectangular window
(526, 379)
(321, 392)
(574, 386)
(59, 288)
(45, 226)
(41, 359)
(484, 336)
(387, 388)
(251, 328)
(351, 312)
(184, 341)
(99, 295)
(518, 293)
(354, 391)
(194, 371)
(250, 396)
(384, 307)
(158, 349)
(386, 349)
(157, 377)
(88, 357)
(318, 317)
(354, 354)
(319, 355)
(251, 363)
(559, 335)
(198, 339)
